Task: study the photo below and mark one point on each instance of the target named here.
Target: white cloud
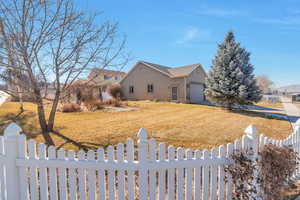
(193, 34)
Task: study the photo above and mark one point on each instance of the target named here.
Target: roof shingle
(175, 71)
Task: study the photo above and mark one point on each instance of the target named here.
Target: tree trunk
(42, 118)
(53, 111)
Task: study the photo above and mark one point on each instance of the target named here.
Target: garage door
(196, 93)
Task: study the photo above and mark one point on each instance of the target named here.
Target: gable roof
(173, 72)
(176, 72)
(96, 71)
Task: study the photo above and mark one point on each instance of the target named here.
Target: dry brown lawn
(186, 125)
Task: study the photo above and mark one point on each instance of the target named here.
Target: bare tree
(52, 43)
(264, 83)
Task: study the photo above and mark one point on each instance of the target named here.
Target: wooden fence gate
(141, 170)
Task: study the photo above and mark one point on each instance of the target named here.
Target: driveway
(3, 97)
(292, 111)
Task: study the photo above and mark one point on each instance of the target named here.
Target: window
(150, 88)
(131, 89)
(106, 77)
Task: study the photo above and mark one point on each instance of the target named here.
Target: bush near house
(70, 107)
(115, 91)
(94, 104)
(113, 102)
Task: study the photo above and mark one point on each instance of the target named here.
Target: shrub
(113, 102)
(277, 165)
(93, 105)
(241, 172)
(70, 107)
(115, 91)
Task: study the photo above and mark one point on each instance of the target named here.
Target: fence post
(251, 133)
(11, 135)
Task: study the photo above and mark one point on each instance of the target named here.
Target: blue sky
(175, 33)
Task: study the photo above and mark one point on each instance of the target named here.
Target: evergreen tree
(231, 80)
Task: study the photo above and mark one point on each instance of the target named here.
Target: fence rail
(141, 170)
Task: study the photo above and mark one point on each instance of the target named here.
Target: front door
(174, 93)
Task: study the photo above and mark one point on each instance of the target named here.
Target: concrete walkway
(292, 111)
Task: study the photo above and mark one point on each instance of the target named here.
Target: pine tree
(231, 80)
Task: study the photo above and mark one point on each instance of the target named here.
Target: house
(105, 77)
(94, 86)
(150, 81)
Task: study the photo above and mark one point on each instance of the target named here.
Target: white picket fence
(143, 171)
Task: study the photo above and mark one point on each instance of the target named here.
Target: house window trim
(150, 88)
(131, 89)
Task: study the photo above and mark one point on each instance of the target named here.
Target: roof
(96, 71)
(84, 82)
(173, 72)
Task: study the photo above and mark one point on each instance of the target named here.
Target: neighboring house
(156, 82)
(95, 85)
(104, 77)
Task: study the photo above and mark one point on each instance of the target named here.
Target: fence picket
(43, 173)
(143, 157)
(130, 175)
(152, 173)
(121, 176)
(180, 175)
(52, 174)
(33, 171)
(221, 185)
(197, 177)
(91, 176)
(22, 170)
(229, 178)
(213, 175)
(245, 144)
(189, 177)
(111, 174)
(101, 176)
(171, 176)
(237, 146)
(62, 176)
(261, 141)
(81, 177)
(205, 173)
(162, 172)
(72, 177)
